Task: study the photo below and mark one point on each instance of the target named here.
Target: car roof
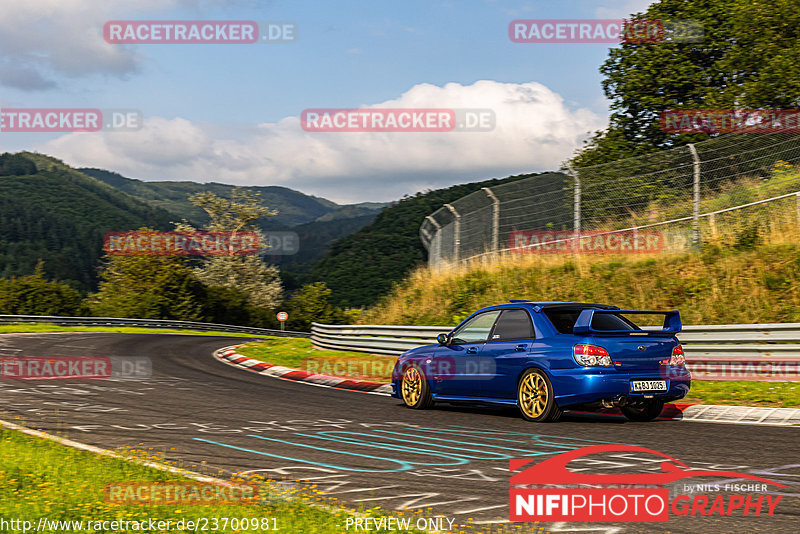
(541, 305)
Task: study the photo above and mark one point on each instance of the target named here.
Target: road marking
(404, 465)
(407, 504)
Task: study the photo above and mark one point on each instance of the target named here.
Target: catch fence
(735, 187)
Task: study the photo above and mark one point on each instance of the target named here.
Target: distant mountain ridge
(293, 206)
(318, 222)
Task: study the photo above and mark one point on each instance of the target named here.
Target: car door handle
(472, 350)
(520, 348)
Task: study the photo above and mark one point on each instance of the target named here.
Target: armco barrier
(145, 323)
(714, 352)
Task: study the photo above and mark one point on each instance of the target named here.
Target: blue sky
(229, 112)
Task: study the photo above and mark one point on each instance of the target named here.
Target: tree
(148, 287)
(34, 295)
(235, 214)
(227, 305)
(16, 165)
(249, 274)
(748, 58)
(311, 304)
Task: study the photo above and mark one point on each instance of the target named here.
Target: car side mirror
(443, 339)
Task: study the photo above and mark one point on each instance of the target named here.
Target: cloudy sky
(231, 112)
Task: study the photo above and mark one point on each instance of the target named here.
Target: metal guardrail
(714, 352)
(145, 323)
(377, 339)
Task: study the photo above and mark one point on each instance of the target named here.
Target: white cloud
(41, 40)
(619, 9)
(534, 131)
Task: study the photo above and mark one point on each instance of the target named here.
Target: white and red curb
(231, 357)
(703, 413)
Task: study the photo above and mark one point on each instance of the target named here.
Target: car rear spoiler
(672, 322)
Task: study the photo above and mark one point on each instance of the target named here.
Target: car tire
(414, 389)
(536, 397)
(643, 412)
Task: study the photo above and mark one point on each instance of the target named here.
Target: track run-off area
(368, 450)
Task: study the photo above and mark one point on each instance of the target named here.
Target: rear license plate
(648, 385)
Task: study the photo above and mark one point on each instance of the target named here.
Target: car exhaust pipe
(616, 402)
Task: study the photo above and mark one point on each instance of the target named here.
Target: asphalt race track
(367, 449)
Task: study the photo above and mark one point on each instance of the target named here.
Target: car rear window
(563, 319)
(513, 324)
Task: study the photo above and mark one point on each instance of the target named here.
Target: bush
(312, 304)
(34, 295)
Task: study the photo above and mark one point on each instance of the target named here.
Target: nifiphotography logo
(540, 493)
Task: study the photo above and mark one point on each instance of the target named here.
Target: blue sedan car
(544, 357)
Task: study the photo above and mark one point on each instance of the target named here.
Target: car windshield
(563, 319)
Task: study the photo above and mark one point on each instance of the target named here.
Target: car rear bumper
(581, 386)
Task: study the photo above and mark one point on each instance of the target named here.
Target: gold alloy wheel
(533, 395)
(412, 386)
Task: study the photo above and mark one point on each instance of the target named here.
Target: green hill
(364, 266)
(52, 212)
(317, 237)
(317, 221)
(293, 207)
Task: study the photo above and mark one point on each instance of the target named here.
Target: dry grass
(747, 271)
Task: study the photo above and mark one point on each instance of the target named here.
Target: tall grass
(747, 270)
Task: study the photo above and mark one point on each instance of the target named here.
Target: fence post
(797, 196)
(696, 197)
(435, 243)
(576, 207)
(457, 228)
(495, 219)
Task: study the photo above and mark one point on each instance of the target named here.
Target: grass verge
(40, 478)
(773, 394)
(299, 354)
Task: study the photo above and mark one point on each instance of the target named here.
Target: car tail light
(591, 355)
(677, 357)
